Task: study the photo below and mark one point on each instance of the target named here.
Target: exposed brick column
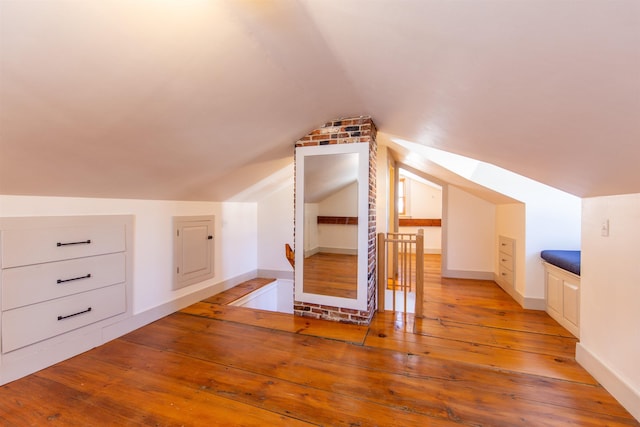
(348, 131)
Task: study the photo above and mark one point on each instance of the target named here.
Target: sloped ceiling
(200, 100)
(326, 175)
(431, 171)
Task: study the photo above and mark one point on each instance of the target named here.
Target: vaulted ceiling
(199, 100)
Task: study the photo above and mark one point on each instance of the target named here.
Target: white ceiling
(327, 174)
(199, 100)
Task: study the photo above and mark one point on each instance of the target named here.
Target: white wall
(311, 242)
(552, 222)
(610, 296)
(340, 203)
(275, 229)
(424, 201)
(552, 216)
(469, 234)
(235, 238)
(382, 189)
(329, 236)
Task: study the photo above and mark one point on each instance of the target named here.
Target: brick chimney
(348, 131)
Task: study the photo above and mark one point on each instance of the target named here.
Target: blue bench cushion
(566, 260)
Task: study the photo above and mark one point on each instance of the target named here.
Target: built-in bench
(562, 286)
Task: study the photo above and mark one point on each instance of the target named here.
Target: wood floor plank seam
(180, 395)
(449, 410)
(244, 326)
(299, 331)
(568, 336)
(480, 360)
(495, 368)
(503, 371)
(447, 323)
(363, 344)
(499, 346)
(400, 408)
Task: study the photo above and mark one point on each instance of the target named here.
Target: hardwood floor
(477, 359)
(331, 274)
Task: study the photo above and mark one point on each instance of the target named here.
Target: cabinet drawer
(33, 323)
(38, 245)
(41, 282)
(506, 245)
(506, 261)
(506, 275)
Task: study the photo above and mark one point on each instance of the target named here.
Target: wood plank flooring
(477, 359)
(331, 274)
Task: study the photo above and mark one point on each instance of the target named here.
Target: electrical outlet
(604, 228)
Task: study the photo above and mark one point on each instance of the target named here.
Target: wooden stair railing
(401, 249)
(290, 254)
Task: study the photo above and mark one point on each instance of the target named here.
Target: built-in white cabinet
(193, 243)
(62, 279)
(507, 264)
(563, 297)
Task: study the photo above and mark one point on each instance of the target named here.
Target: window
(402, 196)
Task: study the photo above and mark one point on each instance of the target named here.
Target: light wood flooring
(331, 274)
(477, 359)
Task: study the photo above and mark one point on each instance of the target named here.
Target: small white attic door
(193, 249)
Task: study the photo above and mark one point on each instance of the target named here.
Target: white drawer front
(506, 275)
(41, 282)
(506, 245)
(506, 261)
(28, 325)
(37, 245)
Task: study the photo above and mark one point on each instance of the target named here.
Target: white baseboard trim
(525, 302)
(151, 315)
(311, 252)
(35, 357)
(427, 251)
(30, 359)
(466, 274)
(512, 293)
(610, 380)
(276, 274)
(534, 303)
(341, 251)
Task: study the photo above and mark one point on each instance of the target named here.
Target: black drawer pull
(88, 276)
(74, 314)
(84, 242)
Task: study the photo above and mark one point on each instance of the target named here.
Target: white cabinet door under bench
(563, 297)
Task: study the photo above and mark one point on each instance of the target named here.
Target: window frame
(401, 197)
